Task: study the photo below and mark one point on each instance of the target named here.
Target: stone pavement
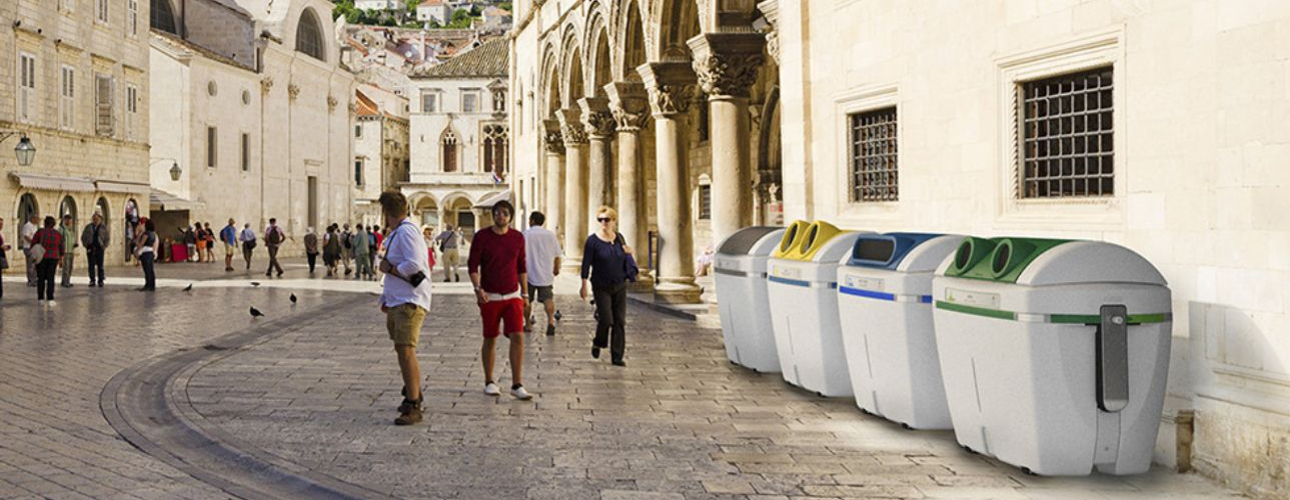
(678, 423)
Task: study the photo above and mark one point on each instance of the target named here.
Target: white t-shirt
(28, 232)
(541, 248)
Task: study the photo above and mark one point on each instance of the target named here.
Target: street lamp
(175, 171)
(25, 151)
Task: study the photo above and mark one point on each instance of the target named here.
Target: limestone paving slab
(679, 422)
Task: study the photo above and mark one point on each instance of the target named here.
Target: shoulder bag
(629, 264)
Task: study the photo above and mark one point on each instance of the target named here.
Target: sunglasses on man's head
(603, 219)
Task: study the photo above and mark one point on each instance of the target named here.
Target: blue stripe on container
(786, 281)
(866, 293)
(926, 299)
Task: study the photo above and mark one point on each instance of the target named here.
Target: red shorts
(509, 311)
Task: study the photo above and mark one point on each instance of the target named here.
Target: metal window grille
(212, 147)
(705, 202)
(874, 172)
(1065, 136)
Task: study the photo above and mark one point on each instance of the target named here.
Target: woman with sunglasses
(604, 268)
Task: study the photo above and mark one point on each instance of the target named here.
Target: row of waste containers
(1050, 355)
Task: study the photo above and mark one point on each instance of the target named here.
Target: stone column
(671, 88)
(599, 125)
(575, 187)
(630, 108)
(726, 66)
(554, 177)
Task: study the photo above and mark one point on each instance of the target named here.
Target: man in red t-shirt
(497, 270)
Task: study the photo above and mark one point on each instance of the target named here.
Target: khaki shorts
(230, 250)
(404, 323)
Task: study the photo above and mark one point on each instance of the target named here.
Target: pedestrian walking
(362, 247)
(248, 244)
(449, 242)
(28, 232)
(311, 249)
(228, 236)
(273, 238)
(145, 245)
(543, 255)
(376, 236)
(427, 233)
(331, 249)
(95, 238)
(496, 267)
(347, 247)
(4, 257)
(47, 247)
(405, 299)
(209, 244)
(605, 270)
(190, 241)
(67, 231)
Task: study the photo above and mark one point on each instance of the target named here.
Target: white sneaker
(492, 390)
(51, 303)
(521, 394)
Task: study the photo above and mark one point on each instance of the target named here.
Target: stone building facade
(256, 114)
(460, 139)
(1161, 125)
(381, 152)
(74, 81)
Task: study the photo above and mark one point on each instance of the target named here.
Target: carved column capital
(554, 138)
(266, 84)
(293, 91)
(726, 63)
(571, 127)
(770, 9)
(629, 103)
(332, 102)
(596, 118)
(670, 86)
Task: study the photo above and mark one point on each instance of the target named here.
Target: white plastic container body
(804, 312)
(744, 306)
(1024, 388)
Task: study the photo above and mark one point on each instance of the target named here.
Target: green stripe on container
(1093, 319)
(976, 311)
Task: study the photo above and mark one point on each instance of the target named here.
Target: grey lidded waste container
(739, 269)
(1054, 353)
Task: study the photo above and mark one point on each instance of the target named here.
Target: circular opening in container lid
(786, 243)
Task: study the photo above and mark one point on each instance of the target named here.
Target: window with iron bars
(1065, 137)
(873, 169)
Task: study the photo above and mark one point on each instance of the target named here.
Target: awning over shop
(53, 182)
(492, 199)
(126, 187)
(161, 200)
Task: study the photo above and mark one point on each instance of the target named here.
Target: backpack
(346, 238)
(274, 237)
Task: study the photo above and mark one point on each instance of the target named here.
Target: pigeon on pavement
(255, 313)
(255, 283)
(293, 298)
(188, 288)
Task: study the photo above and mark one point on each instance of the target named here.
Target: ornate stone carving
(628, 105)
(552, 136)
(671, 99)
(266, 84)
(772, 44)
(599, 125)
(574, 134)
(629, 120)
(332, 103)
(728, 74)
(293, 91)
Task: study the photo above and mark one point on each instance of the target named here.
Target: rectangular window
(358, 173)
(131, 109)
(469, 101)
(1065, 139)
(358, 131)
(67, 98)
(212, 147)
(705, 202)
(429, 102)
(873, 170)
(246, 152)
(101, 11)
(27, 100)
(132, 17)
(104, 113)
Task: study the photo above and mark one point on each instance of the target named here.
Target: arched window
(67, 207)
(27, 206)
(163, 17)
(102, 210)
(309, 37)
(449, 144)
(495, 137)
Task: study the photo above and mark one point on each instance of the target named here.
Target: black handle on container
(1113, 359)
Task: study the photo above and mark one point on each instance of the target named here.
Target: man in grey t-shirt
(543, 256)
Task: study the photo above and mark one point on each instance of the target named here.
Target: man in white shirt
(28, 232)
(247, 238)
(543, 257)
(405, 299)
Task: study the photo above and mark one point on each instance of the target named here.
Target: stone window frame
(245, 157)
(102, 14)
(846, 104)
(494, 142)
(27, 99)
(212, 146)
(132, 18)
(67, 97)
(436, 96)
(131, 106)
(1100, 49)
(104, 104)
(472, 92)
(359, 164)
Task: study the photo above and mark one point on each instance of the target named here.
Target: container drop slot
(1113, 358)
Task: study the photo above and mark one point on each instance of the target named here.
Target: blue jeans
(149, 274)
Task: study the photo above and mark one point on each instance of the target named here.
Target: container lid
(885, 251)
(788, 241)
(1035, 261)
(812, 240)
(743, 240)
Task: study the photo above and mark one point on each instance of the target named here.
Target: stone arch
(162, 17)
(309, 35)
(571, 69)
(424, 208)
(599, 56)
(550, 82)
(27, 206)
(450, 150)
(678, 21)
(630, 42)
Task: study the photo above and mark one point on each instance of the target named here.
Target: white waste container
(739, 270)
(884, 302)
(1054, 353)
(804, 311)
